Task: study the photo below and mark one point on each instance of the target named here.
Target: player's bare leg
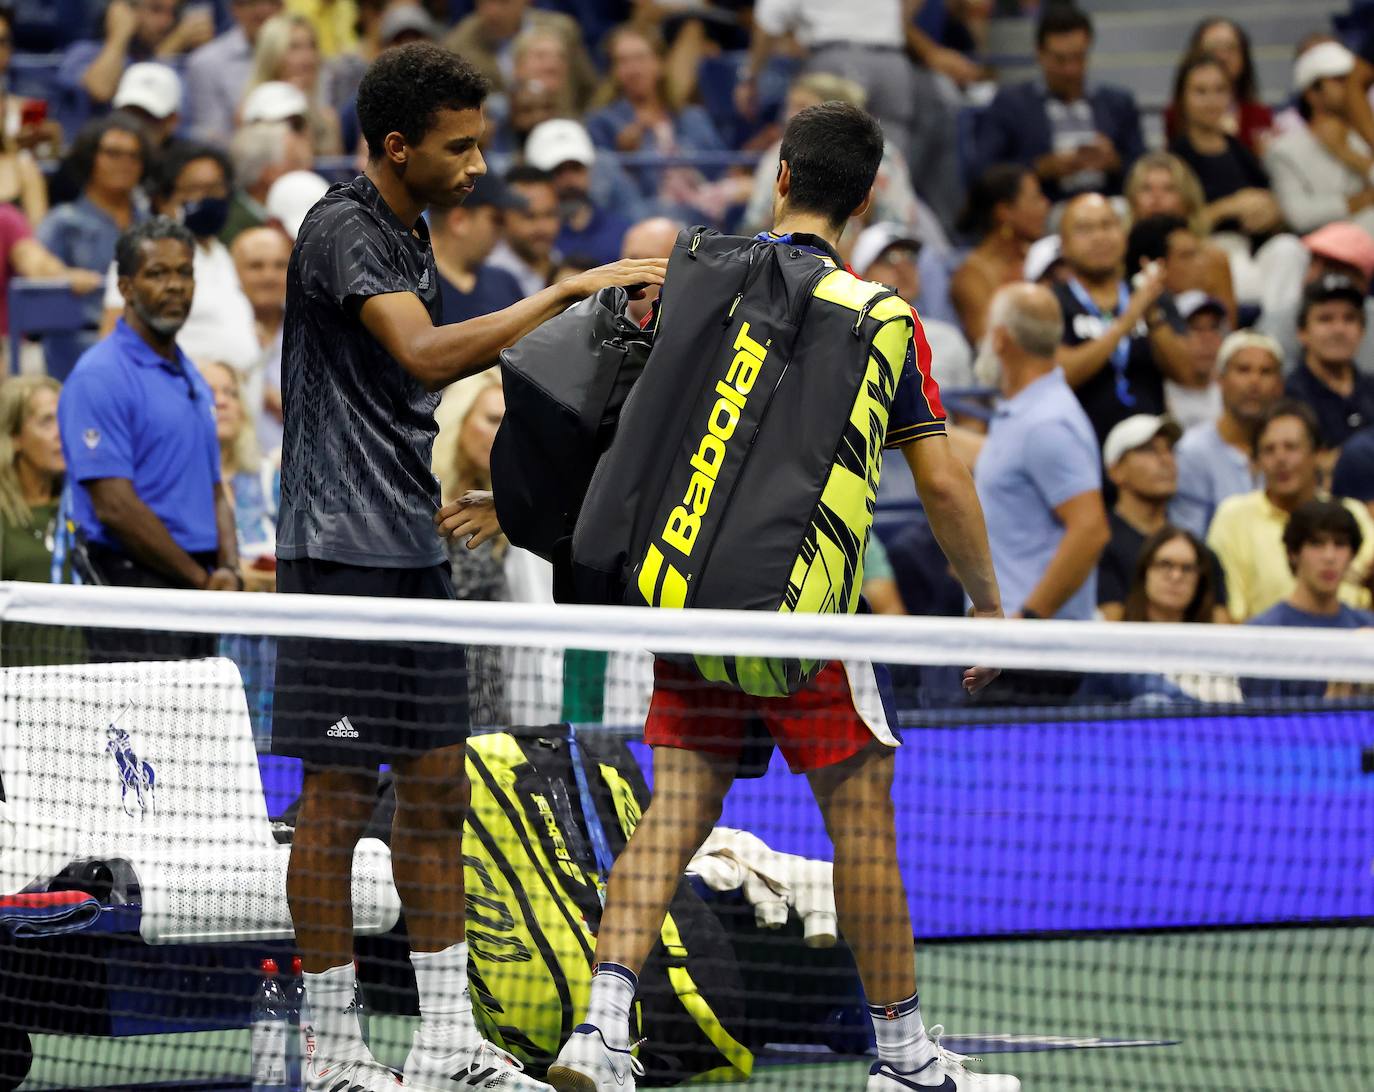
(689, 788)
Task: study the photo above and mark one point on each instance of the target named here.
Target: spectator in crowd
(1161, 184)
(472, 413)
(541, 56)
(1195, 398)
(217, 73)
(31, 476)
(31, 469)
(1111, 329)
(652, 238)
(241, 472)
(1174, 579)
(463, 237)
(333, 22)
(1139, 457)
(1078, 138)
(1039, 474)
(151, 92)
(1248, 119)
(486, 40)
(528, 105)
(261, 153)
(1247, 530)
(291, 197)
(532, 227)
(1313, 184)
(1341, 249)
(286, 52)
(261, 255)
(138, 436)
(1321, 540)
(862, 43)
(107, 160)
(193, 185)
(1216, 458)
(1169, 243)
(1354, 473)
(24, 121)
(135, 30)
(1006, 213)
(21, 255)
(562, 148)
(1330, 328)
(1234, 183)
(640, 118)
(21, 179)
(1045, 262)
(889, 254)
(381, 24)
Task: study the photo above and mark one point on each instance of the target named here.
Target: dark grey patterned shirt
(356, 484)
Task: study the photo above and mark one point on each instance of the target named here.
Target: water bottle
(300, 1031)
(269, 1033)
(358, 1005)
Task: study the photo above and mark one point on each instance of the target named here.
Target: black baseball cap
(490, 190)
(1328, 287)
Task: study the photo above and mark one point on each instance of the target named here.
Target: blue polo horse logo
(136, 776)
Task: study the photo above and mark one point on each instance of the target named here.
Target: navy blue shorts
(359, 704)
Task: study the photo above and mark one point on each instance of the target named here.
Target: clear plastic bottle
(300, 1032)
(269, 1033)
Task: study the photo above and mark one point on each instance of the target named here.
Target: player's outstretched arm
(440, 355)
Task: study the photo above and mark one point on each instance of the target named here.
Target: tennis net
(1140, 859)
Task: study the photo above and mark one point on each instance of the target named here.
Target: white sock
(901, 1035)
(613, 992)
(338, 1035)
(441, 980)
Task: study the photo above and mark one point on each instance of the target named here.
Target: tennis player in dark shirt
(364, 360)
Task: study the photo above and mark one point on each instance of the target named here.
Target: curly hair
(405, 87)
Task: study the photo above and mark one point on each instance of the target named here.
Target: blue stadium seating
(45, 308)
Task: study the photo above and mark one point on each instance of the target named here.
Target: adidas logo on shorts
(343, 730)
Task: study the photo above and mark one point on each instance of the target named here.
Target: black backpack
(744, 469)
(564, 385)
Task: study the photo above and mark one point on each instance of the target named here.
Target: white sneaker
(359, 1075)
(483, 1068)
(943, 1073)
(587, 1064)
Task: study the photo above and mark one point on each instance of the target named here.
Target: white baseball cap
(153, 88)
(292, 196)
(274, 101)
(557, 141)
(877, 239)
(1323, 61)
(1137, 431)
(1041, 254)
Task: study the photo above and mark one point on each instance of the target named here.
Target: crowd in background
(1189, 438)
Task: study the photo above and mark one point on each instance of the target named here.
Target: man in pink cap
(1344, 249)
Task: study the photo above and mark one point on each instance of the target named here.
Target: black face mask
(205, 216)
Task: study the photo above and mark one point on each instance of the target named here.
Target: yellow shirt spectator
(335, 23)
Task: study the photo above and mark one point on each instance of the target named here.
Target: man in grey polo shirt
(1215, 458)
(1039, 474)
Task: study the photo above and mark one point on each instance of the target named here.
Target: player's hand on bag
(471, 516)
(634, 274)
(224, 580)
(976, 678)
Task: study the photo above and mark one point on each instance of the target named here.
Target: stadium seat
(154, 764)
(41, 308)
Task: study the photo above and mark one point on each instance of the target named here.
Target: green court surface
(1277, 1010)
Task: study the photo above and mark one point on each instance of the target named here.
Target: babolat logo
(661, 583)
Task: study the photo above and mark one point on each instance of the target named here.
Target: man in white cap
(562, 148)
(275, 100)
(1314, 186)
(1139, 459)
(888, 253)
(151, 92)
(291, 197)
